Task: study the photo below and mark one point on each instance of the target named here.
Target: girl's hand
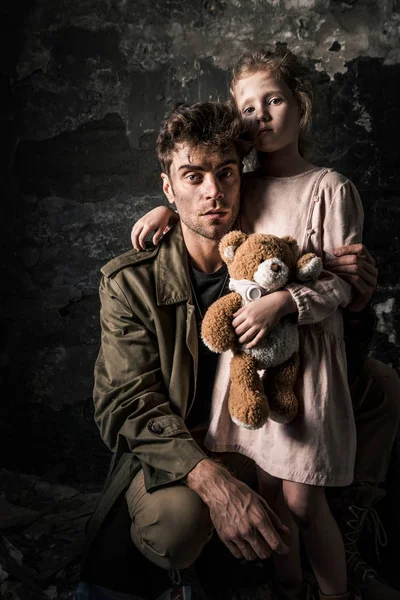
(160, 220)
(254, 320)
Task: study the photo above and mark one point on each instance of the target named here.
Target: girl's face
(269, 104)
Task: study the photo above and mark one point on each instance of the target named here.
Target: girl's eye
(249, 110)
(275, 101)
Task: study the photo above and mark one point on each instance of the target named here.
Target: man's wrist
(202, 478)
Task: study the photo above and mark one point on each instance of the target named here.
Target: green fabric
(146, 370)
(147, 363)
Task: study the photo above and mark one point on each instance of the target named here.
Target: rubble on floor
(42, 533)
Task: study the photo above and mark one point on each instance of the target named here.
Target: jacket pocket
(167, 425)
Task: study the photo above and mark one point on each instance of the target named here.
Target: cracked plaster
(178, 37)
(93, 81)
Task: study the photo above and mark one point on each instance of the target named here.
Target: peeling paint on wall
(363, 118)
(89, 88)
(384, 312)
(151, 35)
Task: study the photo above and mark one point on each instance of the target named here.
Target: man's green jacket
(146, 369)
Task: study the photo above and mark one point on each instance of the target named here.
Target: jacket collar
(172, 269)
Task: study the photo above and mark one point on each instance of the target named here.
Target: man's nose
(214, 188)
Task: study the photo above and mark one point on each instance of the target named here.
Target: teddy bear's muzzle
(276, 267)
(272, 274)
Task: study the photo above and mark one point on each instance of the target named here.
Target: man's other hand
(243, 520)
(355, 265)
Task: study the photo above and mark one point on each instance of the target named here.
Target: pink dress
(322, 210)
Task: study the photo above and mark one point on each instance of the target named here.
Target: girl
(321, 209)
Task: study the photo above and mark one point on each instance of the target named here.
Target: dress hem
(315, 478)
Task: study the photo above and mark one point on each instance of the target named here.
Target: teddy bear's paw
(282, 418)
(218, 343)
(249, 410)
(283, 408)
(309, 267)
(218, 337)
(245, 425)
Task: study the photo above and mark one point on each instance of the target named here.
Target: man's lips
(215, 216)
(214, 213)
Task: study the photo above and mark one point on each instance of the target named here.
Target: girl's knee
(301, 512)
(305, 503)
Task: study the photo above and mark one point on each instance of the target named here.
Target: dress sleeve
(132, 406)
(342, 225)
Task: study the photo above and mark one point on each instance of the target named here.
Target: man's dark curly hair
(214, 126)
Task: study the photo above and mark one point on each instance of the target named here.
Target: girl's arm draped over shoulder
(160, 220)
(342, 225)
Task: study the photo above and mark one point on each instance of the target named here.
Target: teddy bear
(259, 264)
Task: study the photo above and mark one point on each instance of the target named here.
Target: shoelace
(175, 576)
(374, 524)
(359, 563)
(184, 584)
(183, 593)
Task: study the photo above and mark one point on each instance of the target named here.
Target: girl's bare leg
(288, 567)
(321, 536)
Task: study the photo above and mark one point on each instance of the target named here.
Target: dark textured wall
(84, 87)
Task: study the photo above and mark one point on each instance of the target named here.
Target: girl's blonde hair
(286, 66)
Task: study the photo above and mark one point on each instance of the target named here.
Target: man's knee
(385, 385)
(173, 528)
(377, 391)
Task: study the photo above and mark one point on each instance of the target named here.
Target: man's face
(205, 187)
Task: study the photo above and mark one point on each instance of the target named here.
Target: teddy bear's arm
(308, 267)
(217, 331)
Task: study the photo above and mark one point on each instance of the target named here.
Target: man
(152, 372)
(375, 390)
(147, 385)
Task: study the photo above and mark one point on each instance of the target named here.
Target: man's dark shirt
(207, 288)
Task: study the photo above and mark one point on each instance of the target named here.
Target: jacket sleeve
(342, 225)
(132, 407)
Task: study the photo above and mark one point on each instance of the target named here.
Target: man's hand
(242, 519)
(355, 265)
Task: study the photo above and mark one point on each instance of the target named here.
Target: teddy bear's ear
(291, 242)
(229, 244)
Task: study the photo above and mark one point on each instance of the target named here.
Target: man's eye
(193, 177)
(225, 173)
(249, 110)
(275, 101)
